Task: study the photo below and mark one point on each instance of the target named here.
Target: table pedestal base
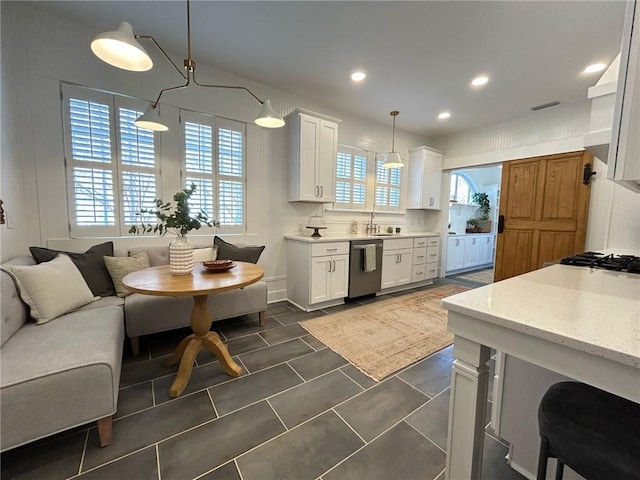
(188, 348)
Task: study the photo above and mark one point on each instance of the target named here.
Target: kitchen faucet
(372, 227)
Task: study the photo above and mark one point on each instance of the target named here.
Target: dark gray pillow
(90, 263)
(228, 251)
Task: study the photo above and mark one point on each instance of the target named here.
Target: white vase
(181, 256)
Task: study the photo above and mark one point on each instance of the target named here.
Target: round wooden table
(159, 281)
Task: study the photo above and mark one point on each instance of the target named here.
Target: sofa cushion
(160, 255)
(120, 267)
(60, 375)
(52, 288)
(90, 264)
(14, 312)
(145, 314)
(228, 251)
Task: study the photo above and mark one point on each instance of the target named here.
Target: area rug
(484, 276)
(388, 335)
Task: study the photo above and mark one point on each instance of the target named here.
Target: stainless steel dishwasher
(362, 282)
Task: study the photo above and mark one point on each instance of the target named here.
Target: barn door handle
(500, 223)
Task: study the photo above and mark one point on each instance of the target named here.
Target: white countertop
(591, 310)
(348, 237)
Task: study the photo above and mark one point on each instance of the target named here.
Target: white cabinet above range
(313, 146)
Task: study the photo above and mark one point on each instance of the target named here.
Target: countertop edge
(348, 237)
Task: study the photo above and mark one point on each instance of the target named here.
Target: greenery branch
(177, 220)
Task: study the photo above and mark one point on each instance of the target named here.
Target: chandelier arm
(209, 85)
(164, 53)
(178, 87)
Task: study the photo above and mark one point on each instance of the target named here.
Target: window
(112, 166)
(462, 188)
(214, 159)
(387, 188)
(351, 178)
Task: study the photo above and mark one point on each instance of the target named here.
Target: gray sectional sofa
(66, 372)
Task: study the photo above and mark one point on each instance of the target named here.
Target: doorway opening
(470, 246)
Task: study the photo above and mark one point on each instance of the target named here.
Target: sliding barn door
(543, 212)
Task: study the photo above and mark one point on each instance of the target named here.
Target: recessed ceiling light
(443, 115)
(358, 76)
(595, 68)
(478, 81)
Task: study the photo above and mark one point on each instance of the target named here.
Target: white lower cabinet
(317, 273)
(455, 253)
(471, 252)
(329, 278)
(468, 251)
(397, 262)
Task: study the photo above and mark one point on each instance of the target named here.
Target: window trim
(353, 152)
(473, 186)
(379, 158)
(115, 166)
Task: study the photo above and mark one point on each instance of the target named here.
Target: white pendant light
(151, 120)
(268, 117)
(121, 49)
(392, 159)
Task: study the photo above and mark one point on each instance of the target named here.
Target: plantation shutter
(351, 178)
(387, 188)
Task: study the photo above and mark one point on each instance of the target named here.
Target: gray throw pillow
(228, 251)
(90, 264)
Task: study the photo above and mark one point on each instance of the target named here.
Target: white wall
(613, 224)
(40, 50)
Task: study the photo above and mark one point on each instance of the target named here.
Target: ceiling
(419, 56)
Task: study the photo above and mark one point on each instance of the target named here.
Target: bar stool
(595, 433)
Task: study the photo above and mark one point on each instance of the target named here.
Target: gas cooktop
(620, 263)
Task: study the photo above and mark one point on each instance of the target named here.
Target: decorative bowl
(218, 265)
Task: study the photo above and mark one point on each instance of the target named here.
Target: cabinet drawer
(397, 243)
(433, 241)
(418, 273)
(419, 255)
(331, 248)
(433, 254)
(431, 270)
(419, 242)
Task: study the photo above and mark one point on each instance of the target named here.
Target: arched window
(462, 187)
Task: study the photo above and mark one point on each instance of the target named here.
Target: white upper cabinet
(313, 146)
(624, 152)
(425, 178)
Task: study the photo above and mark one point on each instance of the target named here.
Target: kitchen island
(579, 322)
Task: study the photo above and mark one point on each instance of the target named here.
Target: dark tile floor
(299, 411)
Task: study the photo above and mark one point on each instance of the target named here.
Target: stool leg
(542, 459)
(559, 470)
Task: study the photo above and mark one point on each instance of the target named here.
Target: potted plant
(482, 199)
(472, 225)
(179, 221)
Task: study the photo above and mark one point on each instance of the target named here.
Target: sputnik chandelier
(121, 49)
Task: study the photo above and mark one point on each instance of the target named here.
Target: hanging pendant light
(392, 159)
(121, 49)
(151, 120)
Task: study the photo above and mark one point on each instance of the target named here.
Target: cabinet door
(404, 267)
(471, 252)
(320, 287)
(455, 253)
(326, 161)
(486, 249)
(432, 181)
(339, 276)
(389, 268)
(309, 146)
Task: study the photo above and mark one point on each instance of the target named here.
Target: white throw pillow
(52, 288)
(204, 254)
